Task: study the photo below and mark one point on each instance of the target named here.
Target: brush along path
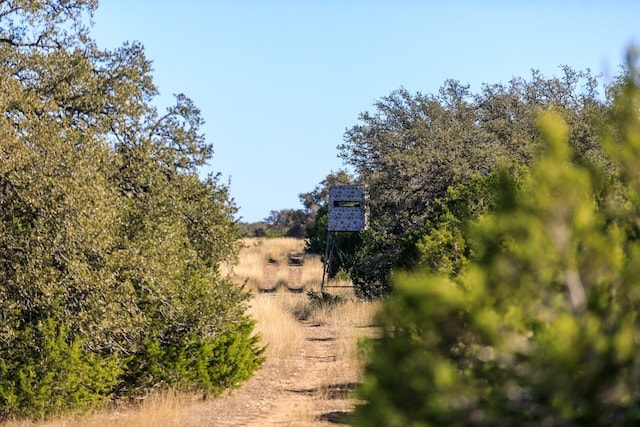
(316, 388)
(312, 388)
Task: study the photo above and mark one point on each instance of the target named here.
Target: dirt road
(313, 389)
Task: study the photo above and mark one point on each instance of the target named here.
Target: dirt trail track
(314, 389)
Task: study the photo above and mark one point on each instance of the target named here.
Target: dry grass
(350, 320)
(277, 325)
(264, 265)
(161, 409)
(278, 317)
(278, 322)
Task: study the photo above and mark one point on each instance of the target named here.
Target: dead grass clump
(340, 308)
(279, 330)
(350, 313)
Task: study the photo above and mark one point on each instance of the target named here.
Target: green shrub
(46, 371)
(209, 366)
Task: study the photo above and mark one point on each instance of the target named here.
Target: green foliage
(413, 150)
(409, 379)
(372, 266)
(207, 365)
(255, 229)
(319, 196)
(110, 242)
(317, 231)
(541, 327)
(442, 246)
(46, 371)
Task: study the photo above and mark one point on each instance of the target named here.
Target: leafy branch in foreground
(541, 327)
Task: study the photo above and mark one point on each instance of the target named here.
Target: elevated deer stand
(346, 215)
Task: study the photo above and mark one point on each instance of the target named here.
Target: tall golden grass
(278, 316)
(264, 266)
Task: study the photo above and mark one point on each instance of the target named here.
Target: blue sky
(279, 82)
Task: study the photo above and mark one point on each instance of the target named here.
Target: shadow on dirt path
(317, 389)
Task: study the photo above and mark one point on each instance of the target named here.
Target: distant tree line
(297, 222)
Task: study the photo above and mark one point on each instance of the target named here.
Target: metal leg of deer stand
(327, 258)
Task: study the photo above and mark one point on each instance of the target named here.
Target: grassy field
(285, 317)
(266, 265)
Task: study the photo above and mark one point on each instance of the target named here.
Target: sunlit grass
(265, 265)
(159, 409)
(277, 325)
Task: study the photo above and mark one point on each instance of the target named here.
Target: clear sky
(279, 82)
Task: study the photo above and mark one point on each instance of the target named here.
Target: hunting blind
(346, 214)
(346, 208)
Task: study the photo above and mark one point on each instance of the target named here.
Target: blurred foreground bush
(542, 326)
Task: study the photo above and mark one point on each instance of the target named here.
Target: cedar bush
(46, 372)
(205, 365)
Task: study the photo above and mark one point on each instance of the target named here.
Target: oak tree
(110, 242)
